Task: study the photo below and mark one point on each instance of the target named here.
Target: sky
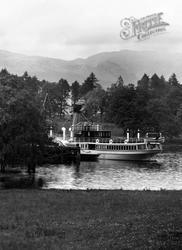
(69, 29)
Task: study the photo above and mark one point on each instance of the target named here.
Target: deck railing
(108, 140)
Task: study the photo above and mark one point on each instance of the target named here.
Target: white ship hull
(95, 141)
(89, 154)
(128, 156)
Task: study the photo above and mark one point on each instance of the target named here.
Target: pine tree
(120, 81)
(89, 84)
(173, 80)
(144, 82)
(75, 91)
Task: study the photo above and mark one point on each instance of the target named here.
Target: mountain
(107, 66)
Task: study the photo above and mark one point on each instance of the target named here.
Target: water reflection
(21, 181)
(164, 172)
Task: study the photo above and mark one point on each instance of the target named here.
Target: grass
(51, 219)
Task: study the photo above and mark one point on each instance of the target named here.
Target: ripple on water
(163, 172)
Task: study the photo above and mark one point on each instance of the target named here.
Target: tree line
(27, 105)
(153, 104)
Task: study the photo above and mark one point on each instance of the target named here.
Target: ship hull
(129, 156)
(122, 155)
(89, 155)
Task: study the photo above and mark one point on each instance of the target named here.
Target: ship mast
(77, 112)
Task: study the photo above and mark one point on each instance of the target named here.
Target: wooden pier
(60, 154)
(52, 153)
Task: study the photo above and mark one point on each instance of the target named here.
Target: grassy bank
(48, 219)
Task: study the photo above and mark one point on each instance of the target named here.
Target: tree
(95, 102)
(22, 127)
(179, 114)
(58, 95)
(47, 98)
(54, 98)
(75, 91)
(174, 99)
(121, 107)
(154, 82)
(63, 89)
(161, 118)
(119, 81)
(158, 86)
(144, 82)
(89, 84)
(173, 80)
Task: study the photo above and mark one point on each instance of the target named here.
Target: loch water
(164, 171)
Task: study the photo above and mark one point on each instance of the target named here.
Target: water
(163, 172)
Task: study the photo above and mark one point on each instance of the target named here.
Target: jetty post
(64, 133)
(138, 134)
(128, 135)
(50, 132)
(71, 134)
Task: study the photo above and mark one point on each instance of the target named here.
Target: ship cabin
(93, 137)
(119, 147)
(90, 133)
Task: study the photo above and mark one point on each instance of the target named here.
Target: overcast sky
(69, 29)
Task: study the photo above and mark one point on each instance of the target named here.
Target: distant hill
(107, 66)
